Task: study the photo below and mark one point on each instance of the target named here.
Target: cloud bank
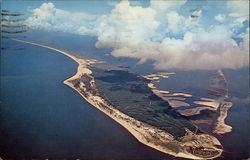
(48, 17)
(161, 32)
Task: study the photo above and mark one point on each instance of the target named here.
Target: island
(127, 98)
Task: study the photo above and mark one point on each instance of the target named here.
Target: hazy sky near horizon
(184, 34)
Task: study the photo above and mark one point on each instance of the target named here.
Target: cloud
(179, 24)
(241, 7)
(220, 18)
(126, 25)
(211, 49)
(161, 32)
(239, 12)
(48, 17)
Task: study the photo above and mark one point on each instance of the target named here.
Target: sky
(185, 35)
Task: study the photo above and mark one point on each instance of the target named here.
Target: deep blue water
(41, 117)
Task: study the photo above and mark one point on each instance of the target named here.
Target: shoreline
(144, 133)
(218, 105)
(220, 126)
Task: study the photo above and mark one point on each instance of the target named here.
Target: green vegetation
(130, 94)
(174, 146)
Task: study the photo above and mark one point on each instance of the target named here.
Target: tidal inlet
(124, 80)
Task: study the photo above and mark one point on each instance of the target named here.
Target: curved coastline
(146, 134)
(217, 105)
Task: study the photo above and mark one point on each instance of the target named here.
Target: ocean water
(40, 117)
(88, 133)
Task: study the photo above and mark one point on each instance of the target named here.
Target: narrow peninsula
(127, 99)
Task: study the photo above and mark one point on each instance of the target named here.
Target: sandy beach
(220, 126)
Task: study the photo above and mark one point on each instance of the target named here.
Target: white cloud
(179, 24)
(203, 50)
(126, 25)
(133, 31)
(47, 16)
(239, 11)
(241, 7)
(163, 8)
(220, 18)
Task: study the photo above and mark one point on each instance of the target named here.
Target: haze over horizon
(185, 35)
